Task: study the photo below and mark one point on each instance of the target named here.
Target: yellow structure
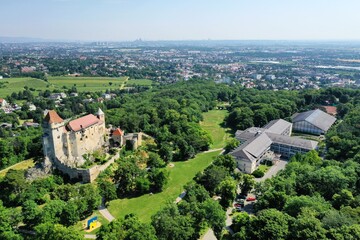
(93, 225)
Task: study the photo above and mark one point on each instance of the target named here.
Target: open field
(139, 82)
(147, 205)
(212, 124)
(90, 84)
(10, 85)
(19, 166)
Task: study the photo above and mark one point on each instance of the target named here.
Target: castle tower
(100, 115)
(53, 125)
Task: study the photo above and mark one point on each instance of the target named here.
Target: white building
(314, 122)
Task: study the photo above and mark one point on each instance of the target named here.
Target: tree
(336, 219)
(52, 211)
(126, 175)
(107, 190)
(307, 226)
(129, 228)
(226, 161)
(48, 230)
(247, 182)
(270, 224)
(241, 222)
(326, 180)
(272, 199)
(232, 144)
(7, 222)
(31, 213)
(294, 204)
(166, 152)
(158, 178)
(195, 193)
(170, 225)
(344, 198)
(227, 191)
(212, 177)
(13, 185)
(214, 216)
(345, 232)
(70, 215)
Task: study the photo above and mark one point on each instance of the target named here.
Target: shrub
(258, 173)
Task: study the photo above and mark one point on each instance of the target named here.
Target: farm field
(181, 173)
(91, 84)
(10, 85)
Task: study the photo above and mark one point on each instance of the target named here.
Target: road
(279, 165)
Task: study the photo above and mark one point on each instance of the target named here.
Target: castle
(65, 142)
(69, 141)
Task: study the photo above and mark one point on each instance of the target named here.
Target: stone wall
(87, 175)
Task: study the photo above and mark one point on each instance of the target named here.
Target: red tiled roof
(53, 117)
(83, 122)
(118, 132)
(331, 110)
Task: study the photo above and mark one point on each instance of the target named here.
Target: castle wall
(87, 140)
(87, 175)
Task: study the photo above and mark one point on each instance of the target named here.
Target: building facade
(315, 122)
(260, 144)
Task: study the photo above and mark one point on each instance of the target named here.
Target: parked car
(237, 205)
(250, 199)
(239, 209)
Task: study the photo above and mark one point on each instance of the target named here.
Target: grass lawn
(147, 205)
(139, 82)
(264, 168)
(19, 166)
(11, 85)
(212, 124)
(90, 84)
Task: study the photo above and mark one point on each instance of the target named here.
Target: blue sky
(118, 20)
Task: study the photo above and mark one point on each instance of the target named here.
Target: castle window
(58, 137)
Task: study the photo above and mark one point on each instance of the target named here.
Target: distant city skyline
(127, 20)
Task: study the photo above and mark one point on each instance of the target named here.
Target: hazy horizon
(160, 20)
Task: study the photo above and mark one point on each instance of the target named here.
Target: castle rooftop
(118, 132)
(53, 117)
(83, 122)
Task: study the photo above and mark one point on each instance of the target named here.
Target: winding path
(104, 212)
